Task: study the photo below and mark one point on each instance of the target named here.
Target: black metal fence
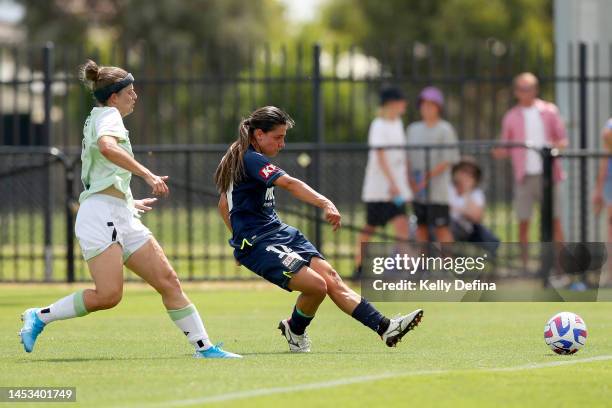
(37, 220)
(188, 96)
(188, 110)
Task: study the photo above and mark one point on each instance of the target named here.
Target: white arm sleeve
(110, 123)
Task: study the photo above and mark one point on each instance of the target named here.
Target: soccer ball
(565, 333)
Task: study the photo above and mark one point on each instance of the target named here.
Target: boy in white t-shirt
(385, 187)
(467, 205)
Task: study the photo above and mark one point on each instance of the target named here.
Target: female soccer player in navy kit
(276, 251)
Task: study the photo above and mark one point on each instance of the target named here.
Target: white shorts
(103, 220)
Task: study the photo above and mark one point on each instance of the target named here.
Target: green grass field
(463, 354)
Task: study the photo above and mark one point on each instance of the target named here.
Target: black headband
(103, 94)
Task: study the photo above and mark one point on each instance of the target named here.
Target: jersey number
(282, 252)
(114, 236)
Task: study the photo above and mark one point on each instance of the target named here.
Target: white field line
(230, 396)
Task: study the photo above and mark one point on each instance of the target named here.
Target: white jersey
(376, 186)
(458, 203)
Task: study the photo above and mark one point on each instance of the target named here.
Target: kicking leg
(391, 330)
(344, 297)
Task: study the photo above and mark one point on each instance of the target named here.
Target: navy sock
(369, 316)
(299, 321)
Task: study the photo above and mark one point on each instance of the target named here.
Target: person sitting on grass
(278, 252)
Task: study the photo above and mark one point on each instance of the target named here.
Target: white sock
(189, 321)
(65, 308)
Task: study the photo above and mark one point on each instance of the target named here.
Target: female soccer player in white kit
(108, 226)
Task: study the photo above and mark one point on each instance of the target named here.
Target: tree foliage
(229, 25)
(454, 23)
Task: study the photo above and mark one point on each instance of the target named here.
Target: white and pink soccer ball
(565, 333)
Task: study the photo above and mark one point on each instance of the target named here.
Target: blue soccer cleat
(215, 352)
(32, 327)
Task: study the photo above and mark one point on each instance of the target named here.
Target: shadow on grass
(315, 353)
(87, 359)
(189, 356)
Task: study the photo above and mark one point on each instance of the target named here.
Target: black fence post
(582, 101)
(189, 199)
(319, 137)
(48, 138)
(546, 231)
(69, 208)
(547, 247)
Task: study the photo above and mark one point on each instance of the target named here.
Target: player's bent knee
(336, 288)
(317, 287)
(333, 280)
(333, 276)
(320, 290)
(169, 284)
(108, 300)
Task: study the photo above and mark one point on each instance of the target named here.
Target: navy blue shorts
(277, 256)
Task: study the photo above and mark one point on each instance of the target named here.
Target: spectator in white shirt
(385, 187)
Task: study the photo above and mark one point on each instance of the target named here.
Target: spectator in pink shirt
(538, 124)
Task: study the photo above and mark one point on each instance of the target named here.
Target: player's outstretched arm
(110, 149)
(307, 194)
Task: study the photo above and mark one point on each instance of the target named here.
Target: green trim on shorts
(87, 255)
(79, 303)
(127, 254)
(92, 253)
(178, 314)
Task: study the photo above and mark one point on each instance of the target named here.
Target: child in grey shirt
(430, 177)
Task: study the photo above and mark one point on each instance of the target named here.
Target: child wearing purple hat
(430, 168)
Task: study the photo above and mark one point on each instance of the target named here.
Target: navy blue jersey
(251, 201)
